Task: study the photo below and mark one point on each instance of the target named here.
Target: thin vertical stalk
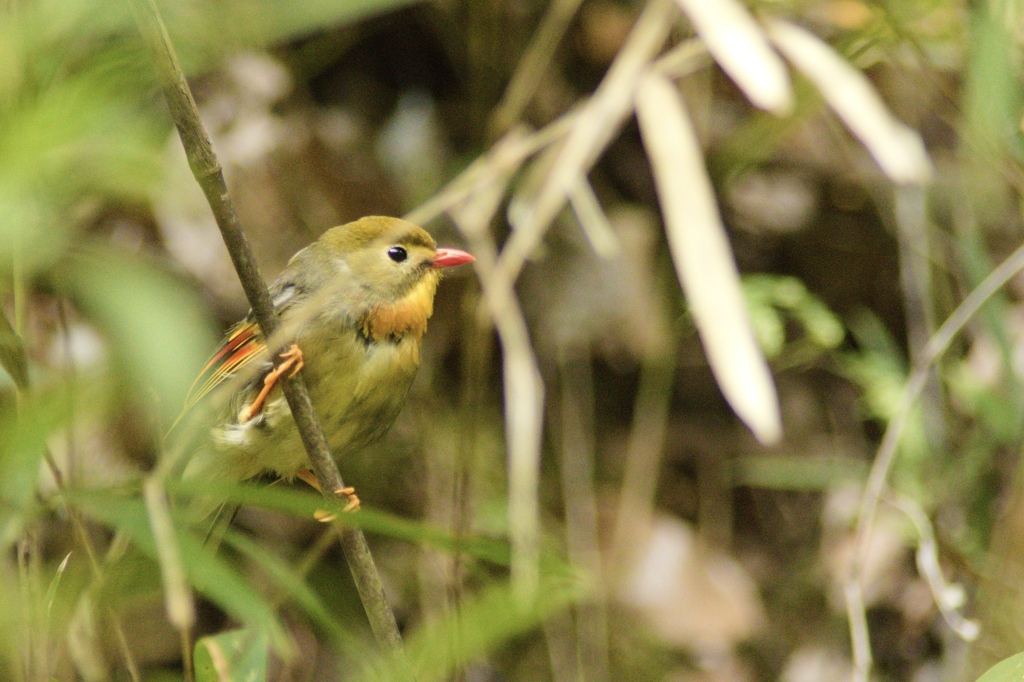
(524, 386)
(581, 531)
(887, 449)
(476, 361)
(20, 310)
(25, 667)
(208, 173)
(643, 457)
(563, 657)
(535, 61)
(916, 283)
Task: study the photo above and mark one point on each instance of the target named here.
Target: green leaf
(270, 21)
(768, 292)
(993, 98)
(438, 650)
(74, 126)
(203, 33)
(1009, 670)
(291, 582)
(155, 325)
(234, 656)
(303, 503)
(12, 353)
(24, 431)
(208, 572)
(279, 20)
(51, 591)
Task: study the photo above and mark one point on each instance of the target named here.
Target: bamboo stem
(208, 174)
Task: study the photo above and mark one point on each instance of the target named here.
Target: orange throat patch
(406, 316)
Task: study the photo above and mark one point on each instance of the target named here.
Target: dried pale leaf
(738, 45)
(703, 259)
(593, 220)
(178, 599)
(897, 148)
(595, 127)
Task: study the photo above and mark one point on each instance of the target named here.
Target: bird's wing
(244, 343)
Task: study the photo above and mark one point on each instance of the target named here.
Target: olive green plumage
(356, 302)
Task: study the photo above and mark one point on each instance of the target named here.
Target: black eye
(397, 254)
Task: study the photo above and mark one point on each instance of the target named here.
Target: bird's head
(387, 271)
(389, 257)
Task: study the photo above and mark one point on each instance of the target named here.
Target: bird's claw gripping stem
(291, 359)
(350, 506)
(349, 492)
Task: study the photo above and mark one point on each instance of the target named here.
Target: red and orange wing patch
(243, 345)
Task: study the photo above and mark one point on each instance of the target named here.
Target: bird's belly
(357, 390)
(358, 413)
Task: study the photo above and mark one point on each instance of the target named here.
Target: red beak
(446, 258)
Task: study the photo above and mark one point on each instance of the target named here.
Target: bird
(354, 307)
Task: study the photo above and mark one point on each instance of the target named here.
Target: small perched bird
(354, 305)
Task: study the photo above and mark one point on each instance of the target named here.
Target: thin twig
(524, 387)
(477, 359)
(576, 423)
(126, 651)
(20, 320)
(179, 601)
(534, 63)
(208, 174)
(949, 597)
(911, 223)
(601, 118)
(504, 157)
(644, 452)
(592, 219)
(25, 668)
(509, 153)
(875, 487)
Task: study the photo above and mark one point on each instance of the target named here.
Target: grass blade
(208, 572)
(240, 655)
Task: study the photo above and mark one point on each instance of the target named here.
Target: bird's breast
(403, 318)
(359, 387)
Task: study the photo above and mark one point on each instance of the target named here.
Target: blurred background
(569, 493)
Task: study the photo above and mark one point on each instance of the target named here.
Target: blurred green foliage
(83, 132)
(241, 654)
(773, 302)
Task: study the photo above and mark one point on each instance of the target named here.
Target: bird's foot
(353, 499)
(351, 506)
(326, 517)
(309, 478)
(290, 359)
